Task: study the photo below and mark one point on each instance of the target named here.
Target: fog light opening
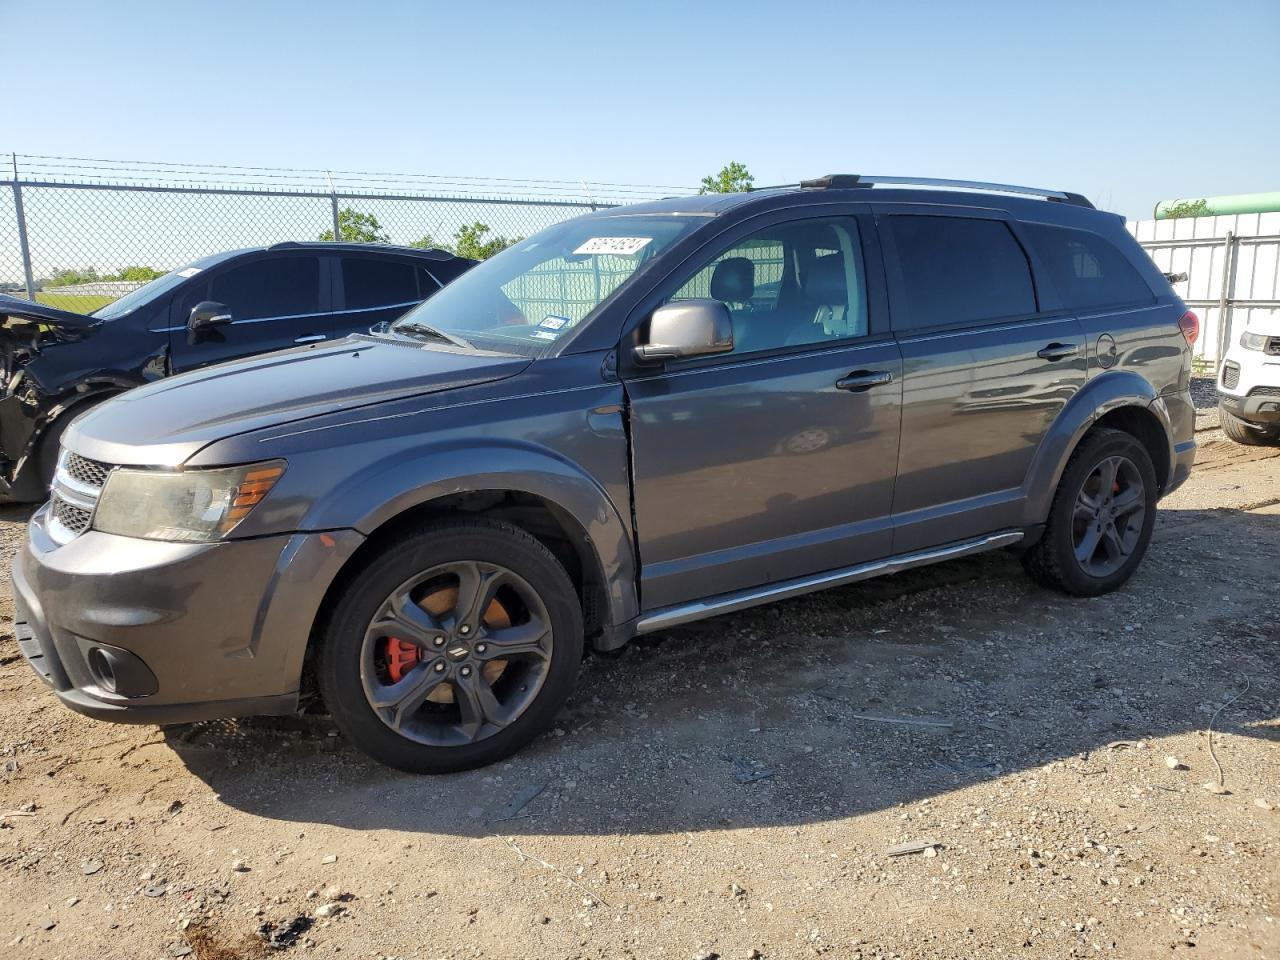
(104, 674)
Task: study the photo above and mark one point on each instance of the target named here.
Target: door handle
(1058, 351)
(861, 380)
(310, 339)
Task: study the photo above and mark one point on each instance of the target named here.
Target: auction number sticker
(618, 246)
(188, 271)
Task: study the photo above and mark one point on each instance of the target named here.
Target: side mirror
(687, 328)
(206, 315)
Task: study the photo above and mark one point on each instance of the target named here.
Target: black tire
(46, 459)
(343, 640)
(1052, 561)
(1241, 431)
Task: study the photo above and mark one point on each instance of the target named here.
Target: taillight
(1190, 327)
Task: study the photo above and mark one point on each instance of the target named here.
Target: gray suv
(628, 421)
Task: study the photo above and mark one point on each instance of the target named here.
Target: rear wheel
(453, 649)
(1242, 431)
(1101, 520)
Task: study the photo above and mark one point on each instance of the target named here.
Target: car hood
(14, 308)
(1267, 326)
(164, 423)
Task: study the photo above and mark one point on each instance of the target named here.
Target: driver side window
(791, 284)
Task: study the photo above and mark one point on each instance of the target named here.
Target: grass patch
(76, 303)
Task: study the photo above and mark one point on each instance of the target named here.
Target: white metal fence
(1232, 265)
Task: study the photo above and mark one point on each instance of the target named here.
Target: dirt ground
(732, 788)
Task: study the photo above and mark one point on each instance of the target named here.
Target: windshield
(529, 296)
(148, 291)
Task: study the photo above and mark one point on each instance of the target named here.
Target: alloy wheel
(1108, 516)
(456, 653)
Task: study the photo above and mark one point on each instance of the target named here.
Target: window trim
(714, 245)
(899, 312)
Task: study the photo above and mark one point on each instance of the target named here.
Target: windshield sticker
(188, 271)
(552, 322)
(618, 246)
(544, 334)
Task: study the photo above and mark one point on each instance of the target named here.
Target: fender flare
(383, 489)
(1103, 394)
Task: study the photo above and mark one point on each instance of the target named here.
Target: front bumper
(1261, 405)
(192, 631)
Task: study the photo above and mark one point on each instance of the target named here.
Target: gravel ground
(1204, 393)
(731, 789)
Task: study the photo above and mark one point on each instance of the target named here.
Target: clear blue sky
(1128, 102)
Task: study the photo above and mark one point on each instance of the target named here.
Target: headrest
(734, 280)
(826, 282)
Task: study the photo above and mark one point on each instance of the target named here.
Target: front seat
(733, 281)
(826, 314)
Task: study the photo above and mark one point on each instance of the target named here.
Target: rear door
(371, 289)
(275, 301)
(988, 364)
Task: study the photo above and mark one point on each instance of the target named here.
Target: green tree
(357, 227)
(469, 241)
(1187, 208)
(733, 178)
(137, 274)
(67, 278)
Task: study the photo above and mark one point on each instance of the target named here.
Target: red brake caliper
(402, 657)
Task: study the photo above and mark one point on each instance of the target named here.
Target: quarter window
(377, 283)
(791, 284)
(272, 287)
(958, 271)
(1086, 270)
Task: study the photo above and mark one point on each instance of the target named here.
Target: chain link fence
(79, 233)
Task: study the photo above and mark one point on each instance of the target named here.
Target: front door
(778, 459)
(275, 302)
(986, 371)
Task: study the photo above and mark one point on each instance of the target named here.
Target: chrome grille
(1230, 375)
(87, 471)
(77, 484)
(73, 518)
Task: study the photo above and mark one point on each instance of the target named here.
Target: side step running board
(674, 616)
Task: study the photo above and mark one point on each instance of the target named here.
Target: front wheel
(1101, 520)
(1242, 431)
(452, 649)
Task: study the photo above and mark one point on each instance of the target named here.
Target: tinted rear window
(958, 271)
(378, 283)
(1087, 270)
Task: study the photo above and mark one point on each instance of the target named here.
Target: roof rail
(843, 180)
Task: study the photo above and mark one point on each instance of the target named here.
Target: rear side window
(1086, 270)
(378, 283)
(957, 271)
(272, 287)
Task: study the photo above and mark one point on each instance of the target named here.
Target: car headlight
(198, 505)
(1253, 341)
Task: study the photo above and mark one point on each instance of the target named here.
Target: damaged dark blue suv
(56, 364)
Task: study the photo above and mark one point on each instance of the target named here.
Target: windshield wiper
(427, 330)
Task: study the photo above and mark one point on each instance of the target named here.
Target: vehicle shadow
(843, 703)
